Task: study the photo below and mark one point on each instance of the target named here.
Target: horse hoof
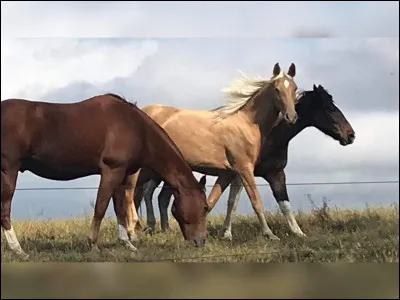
(300, 234)
(272, 237)
(23, 256)
(227, 236)
(165, 229)
(95, 249)
(149, 231)
(129, 246)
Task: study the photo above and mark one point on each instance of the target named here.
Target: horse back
(80, 133)
(160, 113)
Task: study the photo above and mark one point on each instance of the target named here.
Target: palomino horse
(229, 138)
(103, 135)
(315, 108)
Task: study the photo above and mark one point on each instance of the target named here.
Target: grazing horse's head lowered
(191, 215)
(319, 110)
(193, 223)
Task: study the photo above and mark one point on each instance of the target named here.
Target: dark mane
(120, 98)
(303, 94)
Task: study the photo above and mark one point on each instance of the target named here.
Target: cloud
(198, 19)
(361, 74)
(53, 64)
(375, 149)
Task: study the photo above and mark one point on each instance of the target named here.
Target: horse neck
(173, 171)
(166, 159)
(283, 133)
(261, 110)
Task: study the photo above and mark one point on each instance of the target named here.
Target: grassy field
(370, 235)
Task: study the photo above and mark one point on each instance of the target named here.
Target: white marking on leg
(123, 236)
(228, 225)
(122, 233)
(13, 243)
(287, 212)
(286, 83)
(234, 196)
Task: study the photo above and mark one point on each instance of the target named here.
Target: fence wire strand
(210, 186)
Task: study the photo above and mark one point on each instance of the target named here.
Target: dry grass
(370, 235)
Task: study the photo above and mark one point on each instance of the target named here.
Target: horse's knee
(6, 222)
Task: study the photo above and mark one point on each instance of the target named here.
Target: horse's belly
(57, 172)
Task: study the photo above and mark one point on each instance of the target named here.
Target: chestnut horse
(229, 138)
(104, 135)
(315, 108)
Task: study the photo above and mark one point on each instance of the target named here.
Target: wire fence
(210, 186)
(256, 253)
(140, 208)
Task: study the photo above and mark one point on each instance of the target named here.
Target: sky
(183, 54)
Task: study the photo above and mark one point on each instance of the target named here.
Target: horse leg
(142, 178)
(132, 218)
(252, 191)
(219, 187)
(148, 196)
(277, 181)
(8, 183)
(110, 180)
(164, 199)
(234, 195)
(120, 210)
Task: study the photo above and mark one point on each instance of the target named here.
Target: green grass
(369, 235)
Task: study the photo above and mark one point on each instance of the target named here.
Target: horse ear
(277, 69)
(315, 88)
(292, 70)
(203, 181)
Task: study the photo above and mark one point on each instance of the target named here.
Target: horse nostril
(199, 242)
(351, 137)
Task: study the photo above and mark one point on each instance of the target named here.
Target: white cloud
(31, 68)
(376, 144)
(198, 19)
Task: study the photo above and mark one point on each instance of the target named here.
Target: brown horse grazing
(229, 138)
(103, 135)
(315, 108)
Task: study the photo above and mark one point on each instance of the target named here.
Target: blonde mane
(240, 92)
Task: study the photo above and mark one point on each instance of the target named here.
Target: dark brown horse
(315, 108)
(104, 135)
